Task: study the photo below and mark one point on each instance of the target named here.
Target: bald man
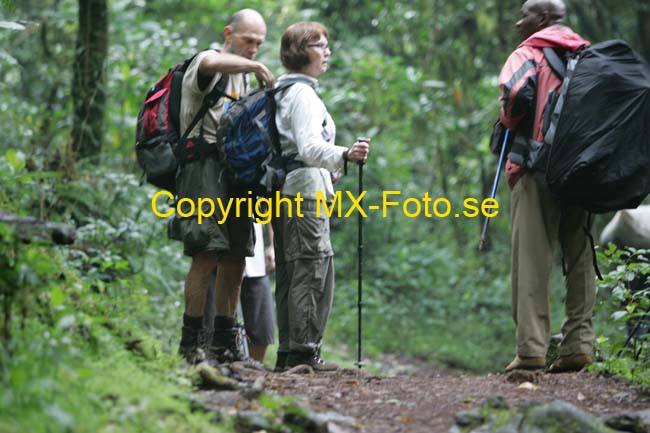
(538, 220)
(215, 247)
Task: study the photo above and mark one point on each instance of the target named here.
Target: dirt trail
(428, 403)
(427, 399)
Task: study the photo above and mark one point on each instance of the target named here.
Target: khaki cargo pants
(537, 220)
(304, 287)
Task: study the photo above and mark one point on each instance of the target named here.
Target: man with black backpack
(527, 82)
(212, 246)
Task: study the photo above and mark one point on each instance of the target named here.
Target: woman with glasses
(304, 267)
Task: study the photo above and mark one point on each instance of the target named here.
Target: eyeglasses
(321, 46)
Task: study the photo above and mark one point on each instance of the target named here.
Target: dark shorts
(257, 308)
(207, 179)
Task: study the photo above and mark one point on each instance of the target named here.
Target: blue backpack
(250, 143)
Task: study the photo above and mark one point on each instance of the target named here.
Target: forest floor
(427, 400)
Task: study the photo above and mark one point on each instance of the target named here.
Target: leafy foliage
(625, 301)
(80, 323)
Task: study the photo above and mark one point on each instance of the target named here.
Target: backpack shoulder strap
(555, 62)
(274, 139)
(209, 100)
(217, 92)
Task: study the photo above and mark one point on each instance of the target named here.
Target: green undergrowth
(81, 359)
(624, 303)
(89, 331)
(60, 383)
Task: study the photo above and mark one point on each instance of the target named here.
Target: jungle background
(88, 329)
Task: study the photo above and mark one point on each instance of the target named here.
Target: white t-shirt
(256, 265)
(192, 98)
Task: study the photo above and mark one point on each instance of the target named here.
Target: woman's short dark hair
(294, 48)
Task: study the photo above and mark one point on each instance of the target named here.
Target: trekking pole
(502, 156)
(360, 263)
(632, 336)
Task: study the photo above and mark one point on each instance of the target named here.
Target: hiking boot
(311, 359)
(526, 363)
(569, 363)
(191, 345)
(281, 362)
(227, 345)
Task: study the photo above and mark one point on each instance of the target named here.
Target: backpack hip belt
(196, 148)
(292, 164)
(527, 153)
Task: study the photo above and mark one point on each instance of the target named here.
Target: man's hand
(227, 63)
(269, 259)
(513, 173)
(264, 77)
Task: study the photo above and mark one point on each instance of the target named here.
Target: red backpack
(158, 137)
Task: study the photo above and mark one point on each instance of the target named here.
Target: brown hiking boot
(311, 359)
(569, 363)
(526, 363)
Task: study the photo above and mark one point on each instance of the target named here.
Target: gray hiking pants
(304, 287)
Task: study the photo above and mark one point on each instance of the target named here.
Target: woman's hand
(359, 151)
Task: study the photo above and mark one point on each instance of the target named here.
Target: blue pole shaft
(502, 158)
(495, 185)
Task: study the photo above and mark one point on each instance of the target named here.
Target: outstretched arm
(226, 63)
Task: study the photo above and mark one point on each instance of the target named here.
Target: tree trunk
(88, 92)
(644, 28)
(590, 29)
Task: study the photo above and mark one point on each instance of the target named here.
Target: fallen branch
(29, 228)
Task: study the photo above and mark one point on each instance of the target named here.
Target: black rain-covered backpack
(597, 129)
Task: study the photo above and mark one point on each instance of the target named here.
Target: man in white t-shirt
(215, 247)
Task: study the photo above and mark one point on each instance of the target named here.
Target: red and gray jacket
(526, 80)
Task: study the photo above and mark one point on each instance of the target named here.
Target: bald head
(554, 8)
(539, 14)
(246, 17)
(245, 33)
